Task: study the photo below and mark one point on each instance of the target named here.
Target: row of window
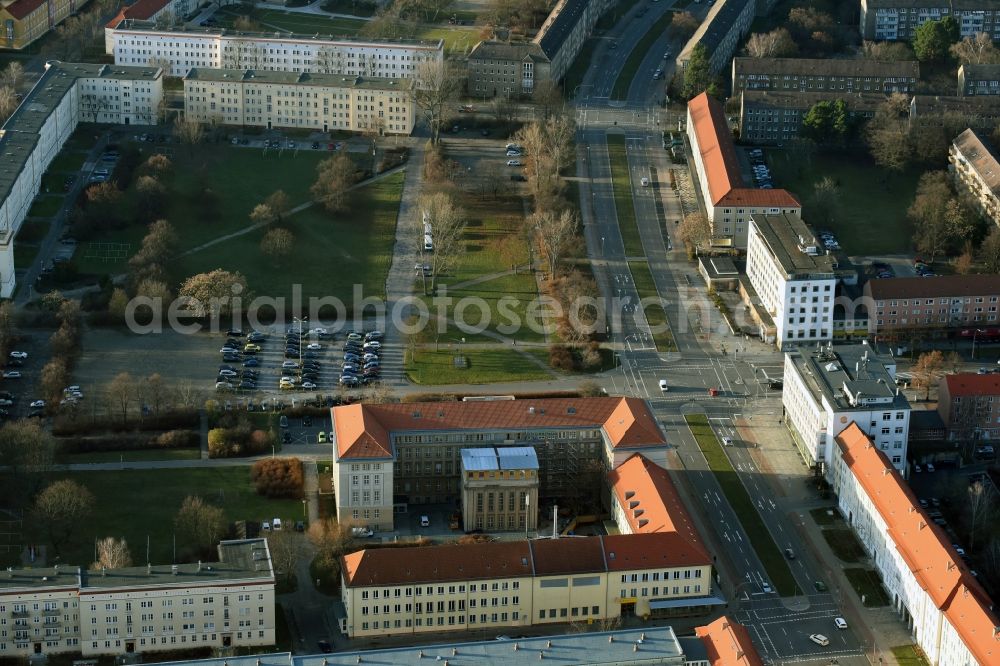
(452, 620)
(417, 591)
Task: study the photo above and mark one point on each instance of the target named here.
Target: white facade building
(224, 604)
(65, 94)
(946, 610)
(793, 278)
(179, 50)
(897, 19)
(827, 390)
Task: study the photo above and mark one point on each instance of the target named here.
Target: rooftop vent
(174, 569)
(531, 410)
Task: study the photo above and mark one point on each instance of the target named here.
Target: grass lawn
(768, 553)
(622, 187)
(129, 456)
(70, 160)
(631, 66)
(308, 24)
(456, 40)
(25, 255)
(824, 516)
(907, 655)
(159, 493)
(844, 544)
(483, 366)
(870, 220)
(866, 583)
(492, 242)
(331, 253)
(655, 315)
(46, 205)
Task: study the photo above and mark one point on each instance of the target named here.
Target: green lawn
(492, 243)
(655, 315)
(25, 255)
(484, 366)
(768, 553)
(141, 504)
(844, 544)
(46, 205)
(624, 80)
(866, 583)
(907, 655)
(823, 516)
(70, 160)
(129, 456)
(869, 217)
(622, 187)
(331, 253)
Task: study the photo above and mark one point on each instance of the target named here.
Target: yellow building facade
(24, 21)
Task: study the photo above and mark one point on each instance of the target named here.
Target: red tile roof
(362, 431)
(728, 643)
(651, 503)
(142, 10)
(924, 547)
(509, 559)
(968, 383)
(934, 287)
(22, 8)
(722, 167)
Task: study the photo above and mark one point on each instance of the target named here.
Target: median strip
(624, 80)
(736, 494)
(621, 184)
(655, 315)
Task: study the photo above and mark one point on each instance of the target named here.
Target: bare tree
(436, 85)
(555, 231)
(449, 225)
(277, 243)
(887, 51)
(982, 505)
(279, 203)
(976, 49)
(695, 230)
(61, 509)
(199, 524)
(120, 392)
(55, 376)
(27, 453)
(262, 214)
(990, 250)
(334, 177)
(286, 551)
(156, 391)
(775, 44)
(927, 371)
(888, 133)
(548, 97)
(684, 24)
(190, 133)
(12, 75)
(8, 103)
(112, 553)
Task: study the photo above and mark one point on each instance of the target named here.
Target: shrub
(278, 478)
(67, 424)
(173, 439)
(238, 441)
(560, 357)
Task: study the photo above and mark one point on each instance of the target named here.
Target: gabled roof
(979, 153)
(970, 383)
(722, 167)
(940, 285)
(497, 50)
(839, 67)
(728, 643)
(559, 25)
(142, 10)
(569, 555)
(628, 552)
(924, 547)
(363, 431)
(22, 8)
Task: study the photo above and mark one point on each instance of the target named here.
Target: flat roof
(848, 376)
(296, 78)
(787, 238)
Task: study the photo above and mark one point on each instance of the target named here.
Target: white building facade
(178, 51)
(827, 390)
(65, 95)
(897, 19)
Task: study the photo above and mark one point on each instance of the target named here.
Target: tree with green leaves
(932, 40)
(827, 122)
(698, 77)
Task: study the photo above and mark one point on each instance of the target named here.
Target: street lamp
(975, 333)
(296, 320)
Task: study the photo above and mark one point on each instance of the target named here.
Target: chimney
(635, 647)
(515, 647)
(642, 636)
(548, 644)
(541, 654)
(454, 652)
(420, 655)
(531, 410)
(199, 571)
(611, 638)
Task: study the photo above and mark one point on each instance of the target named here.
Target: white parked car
(276, 523)
(727, 441)
(513, 163)
(314, 346)
(11, 374)
(840, 622)
(819, 639)
(663, 385)
(37, 404)
(19, 354)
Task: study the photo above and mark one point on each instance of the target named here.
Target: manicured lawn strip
(483, 366)
(129, 456)
(844, 544)
(459, 40)
(822, 517)
(622, 187)
(331, 253)
(298, 22)
(635, 58)
(907, 655)
(68, 161)
(866, 583)
(136, 504)
(872, 222)
(655, 315)
(767, 551)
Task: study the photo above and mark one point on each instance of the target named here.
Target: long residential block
(392, 591)
(66, 94)
(975, 169)
(321, 102)
(179, 50)
(976, 80)
(721, 33)
(824, 75)
(949, 614)
(969, 406)
(939, 306)
(728, 202)
(63, 609)
(774, 116)
(895, 20)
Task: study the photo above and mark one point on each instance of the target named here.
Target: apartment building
(948, 613)
(489, 586)
(818, 75)
(828, 388)
(793, 278)
(969, 405)
(223, 604)
(976, 80)
(500, 489)
(162, 13)
(181, 49)
(975, 169)
(64, 95)
(320, 102)
(413, 451)
(981, 111)
(25, 21)
(721, 33)
(774, 116)
(728, 201)
(514, 69)
(941, 306)
(895, 20)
